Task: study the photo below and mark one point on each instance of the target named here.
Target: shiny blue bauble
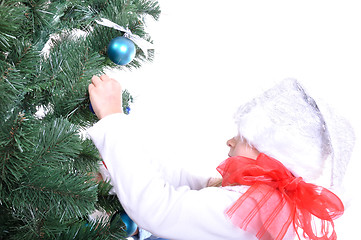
(121, 50)
(131, 226)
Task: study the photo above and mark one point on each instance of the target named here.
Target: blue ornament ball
(131, 226)
(121, 50)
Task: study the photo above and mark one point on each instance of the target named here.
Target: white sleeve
(182, 177)
(153, 203)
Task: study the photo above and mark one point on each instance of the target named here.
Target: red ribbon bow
(276, 199)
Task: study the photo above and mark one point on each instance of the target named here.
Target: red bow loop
(319, 201)
(277, 198)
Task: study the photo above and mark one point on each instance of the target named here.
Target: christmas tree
(49, 50)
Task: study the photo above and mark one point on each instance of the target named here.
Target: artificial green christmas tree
(49, 50)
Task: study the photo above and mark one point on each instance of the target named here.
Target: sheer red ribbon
(276, 199)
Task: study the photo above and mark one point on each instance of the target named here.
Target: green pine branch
(57, 143)
(40, 16)
(107, 202)
(47, 168)
(66, 74)
(16, 73)
(16, 145)
(100, 229)
(88, 159)
(11, 15)
(56, 193)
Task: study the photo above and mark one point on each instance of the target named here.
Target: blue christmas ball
(131, 226)
(121, 50)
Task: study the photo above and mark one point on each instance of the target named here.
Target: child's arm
(105, 95)
(174, 176)
(182, 177)
(153, 203)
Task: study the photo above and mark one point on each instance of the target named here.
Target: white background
(213, 55)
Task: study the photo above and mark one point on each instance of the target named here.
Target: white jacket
(176, 207)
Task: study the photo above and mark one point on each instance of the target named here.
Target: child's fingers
(96, 80)
(105, 78)
(91, 87)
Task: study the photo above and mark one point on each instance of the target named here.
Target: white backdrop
(213, 55)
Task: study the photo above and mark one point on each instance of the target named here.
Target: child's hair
(215, 182)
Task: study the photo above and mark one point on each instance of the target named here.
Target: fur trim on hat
(286, 124)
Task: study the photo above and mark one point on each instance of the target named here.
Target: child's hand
(105, 96)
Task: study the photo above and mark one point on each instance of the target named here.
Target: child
(261, 197)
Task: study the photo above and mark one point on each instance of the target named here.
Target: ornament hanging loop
(126, 34)
(140, 42)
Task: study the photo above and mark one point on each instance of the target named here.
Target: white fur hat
(287, 124)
